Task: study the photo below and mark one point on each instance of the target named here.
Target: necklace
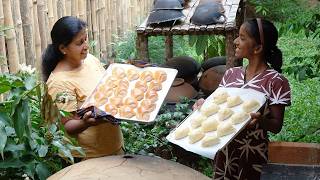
(254, 75)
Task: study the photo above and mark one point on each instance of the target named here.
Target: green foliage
(29, 146)
(261, 6)
(301, 123)
(214, 45)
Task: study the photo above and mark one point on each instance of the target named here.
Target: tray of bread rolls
(131, 93)
(221, 117)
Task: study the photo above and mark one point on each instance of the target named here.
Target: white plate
(209, 152)
(171, 74)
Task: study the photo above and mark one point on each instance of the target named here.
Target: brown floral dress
(243, 157)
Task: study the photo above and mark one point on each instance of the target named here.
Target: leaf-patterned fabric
(243, 157)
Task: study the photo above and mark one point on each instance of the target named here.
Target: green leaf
(30, 82)
(192, 40)
(30, 169)
(66, 152)
(43, 171)
(4, 118)
(201, 45)
(14, 148)
(3, 138)
(21, 118)
(43, 150)
(11, 163)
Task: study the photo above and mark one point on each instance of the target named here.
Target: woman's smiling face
(245, 43)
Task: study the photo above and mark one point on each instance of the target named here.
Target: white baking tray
(171, 74)
(209, 152)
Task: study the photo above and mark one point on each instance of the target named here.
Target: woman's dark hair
(62, 33)
(272, 53)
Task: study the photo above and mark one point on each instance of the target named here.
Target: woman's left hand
(255, 118)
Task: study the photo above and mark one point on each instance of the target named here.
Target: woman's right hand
(198, 104)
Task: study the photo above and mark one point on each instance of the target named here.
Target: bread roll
(137, 94)
(99, 99)
(233, 101)
(210, 140)
(116, 101)
(197, 120)
(142, 115)
(131, 102)
(220, 97)
(109, 108)
(132, 74)
(239, 117)
(160, 75)
(146, 76)
(123, 84)
(152, 95)
(126, 112)
(209, 109)
(181, 132)
(225, 128)
(224, 114)
(250, 105)
(120, 92)
(155, 85)
(142, 85)
(210, 124)
(148, 104)
(118, 72)
(195, 135)
(111, 82)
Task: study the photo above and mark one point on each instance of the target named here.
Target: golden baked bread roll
(210, 140)
(109, 108)
(197, 120)
(118, 72)
(138, 94)
(233, 101)
(146, 76)
(209, 109)
(210, 124)
(224, 113)
(160, 75)
(142, 85)
(126, 112)
(131, 102)
(220, 97)
(132, 74)
(195, 135)
(152, 95)
(225, 128)
(155, 85)
(239, 117)
(181, 132)
(115, 101)
(250, 105)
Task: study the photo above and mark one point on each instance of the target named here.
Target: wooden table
(128, 167)
(234, 11)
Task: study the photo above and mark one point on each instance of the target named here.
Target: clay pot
(210, 79)
(214, 61)
(180, 88)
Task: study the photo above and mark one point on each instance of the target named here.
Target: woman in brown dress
(243, 157)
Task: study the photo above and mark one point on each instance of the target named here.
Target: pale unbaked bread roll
(210, 124)
(142, 85)
(113, 110)
(118, 72)
(234, 101)
(210, 140)
(181, 132)
(146, 76)
(152, 95)
(209, 109)
(225, 128)
(138, 94)
(239, 117)
(160, 75)
(132, 74)
(126, 112)
(250, 105)
(116, 101)
(197, 120)
(220, 97)
(224, 114)
(131, 102)
(155, 85)
(195, 135)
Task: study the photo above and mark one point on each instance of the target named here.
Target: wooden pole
(169, 47)
(89, 20)
(95, 24)
(68, 7)
(12, 48)
(61, 8)
(37, 40)
(82, 10)
(15, 5)
(103, 48)
(50, 14)
(26, 15)
(3, 53)
(108, 27)
(42, 23)
(74, 8)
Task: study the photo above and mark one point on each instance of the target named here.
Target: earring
(64, 53)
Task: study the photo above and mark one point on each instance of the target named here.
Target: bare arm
(272, 121)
